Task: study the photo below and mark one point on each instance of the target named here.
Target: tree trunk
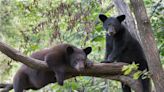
(149, 44)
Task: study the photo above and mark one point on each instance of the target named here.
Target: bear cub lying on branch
(58, 59)
(122, 47)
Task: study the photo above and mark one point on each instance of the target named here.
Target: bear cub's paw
(89, 64)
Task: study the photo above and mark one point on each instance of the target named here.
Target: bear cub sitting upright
(122, 47)
(58, 59)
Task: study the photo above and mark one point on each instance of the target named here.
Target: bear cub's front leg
(60, 75)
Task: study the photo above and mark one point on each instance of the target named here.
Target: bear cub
(122, 47)
(64, 56)
(58, 59)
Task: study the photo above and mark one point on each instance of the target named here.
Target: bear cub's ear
(70, 50)
(87, 50)
(103, 17)
(121, 18)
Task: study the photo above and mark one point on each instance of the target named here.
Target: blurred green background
(30, 25)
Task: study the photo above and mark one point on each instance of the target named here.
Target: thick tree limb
(109, 71)
(17, 56)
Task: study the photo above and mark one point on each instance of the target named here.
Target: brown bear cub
(58, 59)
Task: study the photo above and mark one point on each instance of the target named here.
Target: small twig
(155, 7)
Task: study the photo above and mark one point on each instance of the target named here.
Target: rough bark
(103, 70)
(149, 44)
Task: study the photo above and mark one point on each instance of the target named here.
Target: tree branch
(17, 56)
(109, 71)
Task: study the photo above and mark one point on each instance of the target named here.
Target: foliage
(157, 20)
(132, 69)
(30, 25)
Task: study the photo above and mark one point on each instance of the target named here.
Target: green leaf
(125, 67)
(128, 71)
(137, 74)
(98, 38)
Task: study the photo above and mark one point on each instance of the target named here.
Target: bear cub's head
(78, 57)
(64, 56)
(112, 24)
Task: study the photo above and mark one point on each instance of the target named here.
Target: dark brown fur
(57, 58)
